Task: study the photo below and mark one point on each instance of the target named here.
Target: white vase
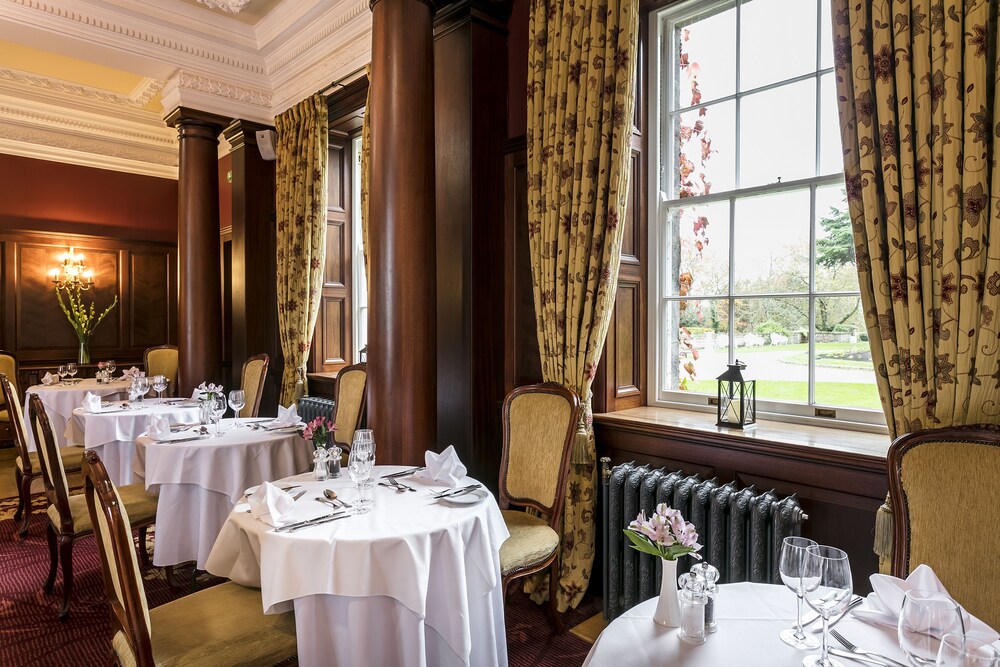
(668, 608)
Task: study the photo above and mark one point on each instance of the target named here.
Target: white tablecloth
(414, 582)
(751, 616)
(200, 481)
(61, 399)
(112, 432)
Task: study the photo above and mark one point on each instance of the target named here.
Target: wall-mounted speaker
(266, 140)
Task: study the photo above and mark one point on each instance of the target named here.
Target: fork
(400, 485)
(860, 651)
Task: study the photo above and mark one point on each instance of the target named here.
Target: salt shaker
(710, 575)
(319, 465)
(692, 599)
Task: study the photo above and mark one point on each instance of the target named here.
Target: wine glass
(926, 617)
(71, 370)
(142, 387)
(958, 650)
(827, 586)
(793, 555)
(237, 400)
(111, 366)
(359, 467)
(159, 384)
(63, 372)
(366, 438)
(218, 406)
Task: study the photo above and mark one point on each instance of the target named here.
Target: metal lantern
(737, 398)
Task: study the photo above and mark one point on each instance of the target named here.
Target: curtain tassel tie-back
(883, 530)
(583, 453)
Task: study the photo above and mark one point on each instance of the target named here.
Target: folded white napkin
(91, 403)
(158, 427)
(270, 503)
(196, 394)
(886, 601)
(444, 467)
(49, 378)
(287, 416)
(132, 373)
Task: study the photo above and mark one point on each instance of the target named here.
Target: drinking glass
(359, 467)
(63, 372)
(71, 370)
(366, 438)
(926, 617)
(827, 587)
(159, 384)
(237, 400)
(793, 555)
(111, 366)
(219, 407)
(142, 387)
(958, 650)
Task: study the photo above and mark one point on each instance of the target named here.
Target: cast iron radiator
(311, 407)
(741, 531)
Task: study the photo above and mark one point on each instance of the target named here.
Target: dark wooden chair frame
(62, 537)
(260, 385)
(363, 366)
(553, 513)
(171, 384)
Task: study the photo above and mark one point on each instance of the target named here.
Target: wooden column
(199, 311)
(470, 115)
(402, 348)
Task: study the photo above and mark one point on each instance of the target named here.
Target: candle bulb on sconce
(73, 274)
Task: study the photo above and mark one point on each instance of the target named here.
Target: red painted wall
(40, 195)
(517, 69)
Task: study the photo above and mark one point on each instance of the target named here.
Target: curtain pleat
(366, 158)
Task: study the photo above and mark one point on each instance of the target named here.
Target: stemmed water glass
(63, 372)
(793, 555)
(237, 400)
(218, 406)
(359, 467)
(111, 367)
(159, 384)
(827, 586)
(365, 436)
(925, 618)
(71, 370)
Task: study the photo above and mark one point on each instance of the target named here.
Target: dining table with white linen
(62, 398)
(414, 582)
(750, 617)
(112, 432)
(200, 478)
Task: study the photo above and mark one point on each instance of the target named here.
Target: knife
(404, 473)
(860, 658)
(462, 492)
(815, 617)
(318, 522)
(170, 442)
(309, 522)
(449, 492)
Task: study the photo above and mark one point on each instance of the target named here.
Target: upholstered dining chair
(351, 395)
(221, 625)
(252, 383)
(943, 484)
(8, 366)
(27, 467)
(68, 516)
(539, 424)
(162, 360)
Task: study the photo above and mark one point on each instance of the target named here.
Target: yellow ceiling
(55, 66)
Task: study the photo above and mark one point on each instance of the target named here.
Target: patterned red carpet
(31, 634)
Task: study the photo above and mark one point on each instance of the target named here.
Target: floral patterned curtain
(366, 159)
(581, 75)
(300, 199)
(917, 87)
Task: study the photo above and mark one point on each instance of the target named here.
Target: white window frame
(359, 295)
(660, 203)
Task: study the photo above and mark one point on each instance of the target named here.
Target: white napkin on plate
(287, 416)
(158, 427)
(444, 467)
(132, 373)
(270, 503)
(49, 378)
(886, 601)
(91, 403)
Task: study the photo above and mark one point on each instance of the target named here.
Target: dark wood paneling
(331, 349)
(149, 274)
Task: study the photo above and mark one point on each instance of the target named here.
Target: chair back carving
(252, 383)
(8, 367)
(53, 472)
(11, 398)
(130, 626)
(351, 396)
(539, 425)
(949, 475)
(162, 360)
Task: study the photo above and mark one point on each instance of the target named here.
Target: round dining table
(61, 398)
(199, 479)
(750, 616)
(414, 582)
(112, 432)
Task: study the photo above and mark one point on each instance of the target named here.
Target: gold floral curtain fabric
(366, 158)
(916, 82)
(300, 198)
(581, 74)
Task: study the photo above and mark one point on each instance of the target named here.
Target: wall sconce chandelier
(73, 274)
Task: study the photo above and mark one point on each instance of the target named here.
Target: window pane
(777, 41)
(697, 344)
(772, 339)
(825, 36)
(835, 267)
(705, 145)
(698, 250)
(771, 242)
(778, 134)
(831, 153)
(845, 376)
(706, 53)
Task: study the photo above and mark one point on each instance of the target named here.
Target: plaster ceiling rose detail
(230, 6)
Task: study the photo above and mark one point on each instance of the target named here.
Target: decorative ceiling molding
(205, 93)
(139, 97)
(233, 6)
(146, 90)
(348, 58)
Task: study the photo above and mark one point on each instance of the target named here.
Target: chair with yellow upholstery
(539, 424)
(221, 625)
(8, 366)
(350, 396)
(252, 383)
(162, 360)
(27, 467)
(68, 516)
(949, 475)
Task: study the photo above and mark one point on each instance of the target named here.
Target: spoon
(330, 494)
